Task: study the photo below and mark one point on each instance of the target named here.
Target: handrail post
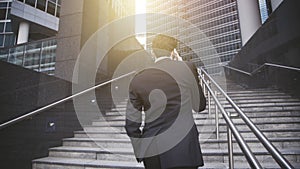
(253, 162)
(216, 117)
(209, 99)
(204, 87)
(230, 147)
(201, 81)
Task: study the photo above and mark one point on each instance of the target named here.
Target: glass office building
(27, 33)
(218, 20)
(7, 37)
(265, 10)
(51, 7)
(34, 19)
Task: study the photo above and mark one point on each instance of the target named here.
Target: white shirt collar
(162, 58)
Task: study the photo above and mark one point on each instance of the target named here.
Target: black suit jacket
(156, 91)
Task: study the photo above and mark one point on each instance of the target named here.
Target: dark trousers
(154, 163)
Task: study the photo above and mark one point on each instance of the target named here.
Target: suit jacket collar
(162, 58)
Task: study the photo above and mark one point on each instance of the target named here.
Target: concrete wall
(79, 20)
(22, 91)
(278, 42)
(69, 38)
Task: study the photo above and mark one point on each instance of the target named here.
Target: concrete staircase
(276, 114)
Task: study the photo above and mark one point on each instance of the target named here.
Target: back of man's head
(163, 44)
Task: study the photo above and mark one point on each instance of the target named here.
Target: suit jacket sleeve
(134, 118)
(197, 106)
(133, 114)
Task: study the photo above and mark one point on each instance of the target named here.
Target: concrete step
(211, 120)
(255, 109)
(204, 115)
(74, 163)
(289, 110)
(261, 124)
(275, 113)
(126, 154)
(241, 100)
(255, 94)
(260, 100)
(201, 119)
(256, 97)
(279, 142)
(269, 104)
(98, 142)
(254, 91)
(240, 103)
(204, 133)
(120, 154)
(122, 110)
(69, 163)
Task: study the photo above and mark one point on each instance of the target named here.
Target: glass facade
(122, 8)
(158, 24)
(263, 10)
(50, 6)
(7, 37)
(39, 56)
(218, 20)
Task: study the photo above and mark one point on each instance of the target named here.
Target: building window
(51, 8)
(1, 27)
(1, 40)
(9, 40)
(8, 27)
(58, 11)
(30, 2)
(41, 4)
(2, 14)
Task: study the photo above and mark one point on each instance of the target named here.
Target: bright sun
(140, 6)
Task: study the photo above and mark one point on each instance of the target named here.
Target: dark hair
(164, 42)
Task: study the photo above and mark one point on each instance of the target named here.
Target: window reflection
(30, 2)
(50, 6)
(39, 56)
(41, 4)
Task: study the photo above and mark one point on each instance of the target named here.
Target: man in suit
(167, 137)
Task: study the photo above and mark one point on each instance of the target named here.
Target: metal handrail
(261, 67)
(283, 163)
(37, 111)
(253, 162)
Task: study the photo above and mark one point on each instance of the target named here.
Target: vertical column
(23, 33)
(249, 17)
(275, 4)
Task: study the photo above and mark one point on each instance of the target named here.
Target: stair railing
(261, 67)
(39, 110)
(282, 162)
(231, 128)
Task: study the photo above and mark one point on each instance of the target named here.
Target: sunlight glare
(140, 22)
